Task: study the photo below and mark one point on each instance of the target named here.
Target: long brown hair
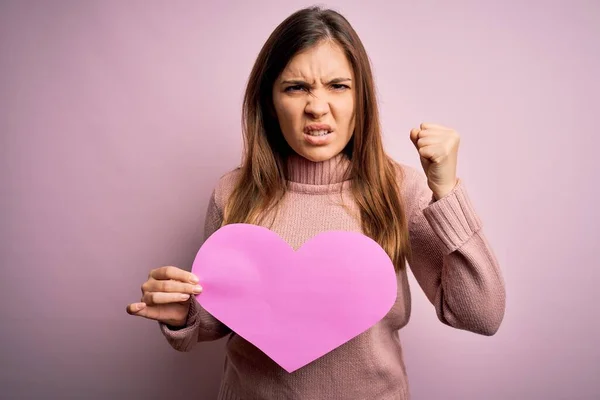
(375, 177)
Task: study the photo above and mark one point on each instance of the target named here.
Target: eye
(294, 88)
(339, 86)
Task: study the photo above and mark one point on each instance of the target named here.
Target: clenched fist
(438, 149)
(166, 296)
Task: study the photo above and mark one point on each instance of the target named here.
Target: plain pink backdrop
(117, 118)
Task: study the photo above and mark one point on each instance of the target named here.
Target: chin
(318, 154)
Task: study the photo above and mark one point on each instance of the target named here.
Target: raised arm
(452, 259)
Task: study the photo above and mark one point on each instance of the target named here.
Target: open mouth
(321, 132)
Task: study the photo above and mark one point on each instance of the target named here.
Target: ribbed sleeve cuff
(453, 218)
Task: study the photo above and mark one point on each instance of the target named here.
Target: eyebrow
(301, 82)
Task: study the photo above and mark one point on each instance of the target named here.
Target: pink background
(117, 118)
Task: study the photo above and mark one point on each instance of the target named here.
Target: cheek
(346, 114)
(290, 113)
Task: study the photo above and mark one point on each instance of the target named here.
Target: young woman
(312, 138)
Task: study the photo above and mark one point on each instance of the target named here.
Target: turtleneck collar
(309, 176)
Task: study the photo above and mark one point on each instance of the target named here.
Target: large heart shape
(295, 306)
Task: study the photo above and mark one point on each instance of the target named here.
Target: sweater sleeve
(453, 261)
(200, 325)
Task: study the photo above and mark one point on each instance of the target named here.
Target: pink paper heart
(294, 306)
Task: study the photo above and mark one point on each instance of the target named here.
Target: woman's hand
(166, 296)
(438, 149)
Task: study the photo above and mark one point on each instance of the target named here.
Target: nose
(316, 106)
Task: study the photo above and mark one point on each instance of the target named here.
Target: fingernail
(194, 279)
(197, 289)
(185, 296)
(140, 306)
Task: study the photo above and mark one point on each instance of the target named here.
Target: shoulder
(408, 177)
(224, 187)
(406, 172)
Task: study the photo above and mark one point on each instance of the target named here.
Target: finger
(170, 286)
(428, 125)
(428, 152)
(134, 308)
(171, 272)
(155, 298)
(432, 132)
(427, 141)
(414, 135)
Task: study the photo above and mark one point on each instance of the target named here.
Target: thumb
(142, 310)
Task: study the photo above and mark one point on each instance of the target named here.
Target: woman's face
(314, 102)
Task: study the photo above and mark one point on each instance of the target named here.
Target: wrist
(440, 192)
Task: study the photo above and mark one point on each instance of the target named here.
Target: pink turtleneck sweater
(451, 261)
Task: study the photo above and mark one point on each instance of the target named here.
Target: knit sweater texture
(452, 262)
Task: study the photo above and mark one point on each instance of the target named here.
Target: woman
(312, 132)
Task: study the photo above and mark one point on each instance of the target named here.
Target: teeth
(322, 132)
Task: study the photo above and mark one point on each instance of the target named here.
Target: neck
(303, 171)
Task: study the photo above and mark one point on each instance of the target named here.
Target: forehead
(324, 60)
